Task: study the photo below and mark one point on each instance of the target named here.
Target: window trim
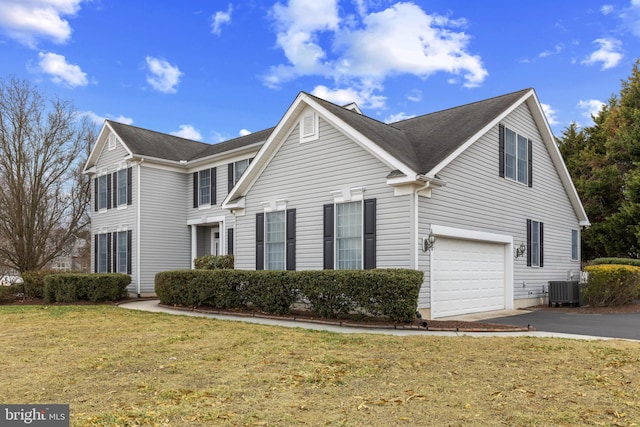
(121, 192)
(270, 244)
(102, 183)
(523, 156)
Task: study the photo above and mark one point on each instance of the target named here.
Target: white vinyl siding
(348, 236)
(275, 240)
(305, 175)
(476, 198)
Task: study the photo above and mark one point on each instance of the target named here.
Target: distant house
(477, 197)
(75, 256)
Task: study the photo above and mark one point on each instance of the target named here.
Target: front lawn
(123, 367)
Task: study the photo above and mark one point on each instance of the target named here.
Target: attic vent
(308, 126)
(112, 141)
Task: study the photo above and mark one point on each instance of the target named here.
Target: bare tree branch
(44, 197)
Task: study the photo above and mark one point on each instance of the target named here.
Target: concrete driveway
(602, 325)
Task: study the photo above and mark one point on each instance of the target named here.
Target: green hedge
(611, 285)
(214, 262)
(73, 287)
(616, 261)
(329, 293)
(34, 282)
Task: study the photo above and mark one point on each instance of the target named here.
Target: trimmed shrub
(214, 262)
(330, 293)
(610, 285)
(34, 282)
(73, 287)
(270, 291)
(616, 261)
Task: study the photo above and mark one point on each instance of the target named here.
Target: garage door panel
(468, 277)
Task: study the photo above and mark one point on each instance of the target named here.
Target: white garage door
(467, 277)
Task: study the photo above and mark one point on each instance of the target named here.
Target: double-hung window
(205, 187)
(102, 253)
(122, 252)
(575, 242)
(535, 243)
(123, 183)
(349, 236)
(274, 240)
(102, 192)
(515, 156)
(235, 171)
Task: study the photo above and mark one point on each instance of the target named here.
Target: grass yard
(123, 367)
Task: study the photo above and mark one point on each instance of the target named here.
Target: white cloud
(398, 117)
(362, 51)
(364, 97)
(188, 132)
(221, 18)
(631, 17)
(550, 113)
(163, 76)
(28, 21)
(61, 71)
(415, 95)
(608, 54)
(555, 51)
(99, 120)
(244, 132)
(590, 107)
(606, 9)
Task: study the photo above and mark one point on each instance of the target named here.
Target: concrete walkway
(153, 306)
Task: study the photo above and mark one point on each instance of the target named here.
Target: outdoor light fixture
(428, 242)
(520, 250)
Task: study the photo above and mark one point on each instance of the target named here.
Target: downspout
(414, 230)
(138, 227)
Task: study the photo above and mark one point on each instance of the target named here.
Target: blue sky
(213, 70)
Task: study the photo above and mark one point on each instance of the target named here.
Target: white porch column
(194, 245)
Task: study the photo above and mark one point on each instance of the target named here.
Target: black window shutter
(213, 186)
(108, 252)
(130, 185)
(528, 243)
(230, 177)
(95, 253)
(108, 192)
(530, 160)
(260, 241)
(195, 189)
(129, 250)
(114, 175)
(114, 252)
(291, 239)
(230, 241)
(541, 245)
(95, 194)
(328, 236)
(501, 150)
(369, 234)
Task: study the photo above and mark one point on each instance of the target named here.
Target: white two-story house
(476, 196)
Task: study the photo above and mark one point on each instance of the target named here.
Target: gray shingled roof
(144, 142)
(421, 142)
